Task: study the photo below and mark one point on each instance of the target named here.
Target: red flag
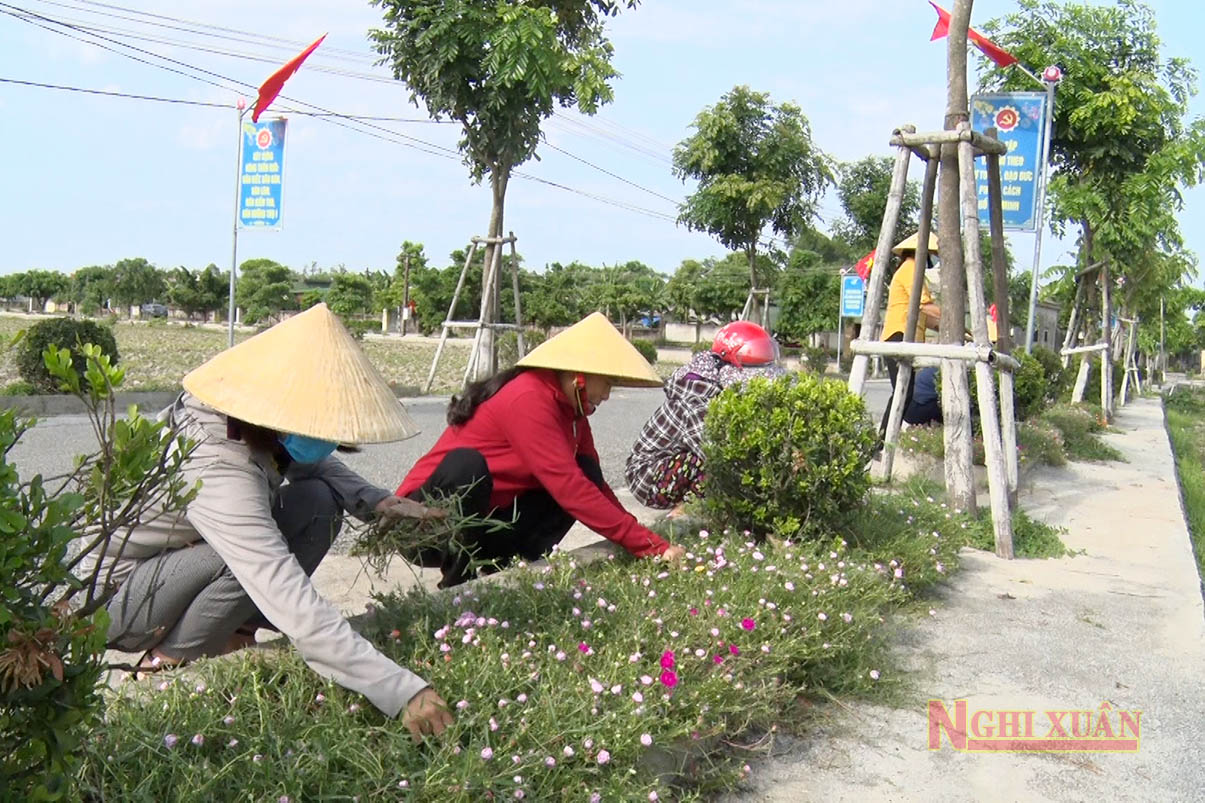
(276, 81)
(864, 265)
(990, 49)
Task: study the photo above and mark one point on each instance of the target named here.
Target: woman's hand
(399, 507)
(426, 714)
(674, 553)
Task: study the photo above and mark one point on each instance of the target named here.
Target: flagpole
(1041, 202)
(238, 191)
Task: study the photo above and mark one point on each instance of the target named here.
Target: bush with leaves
(1058, 378)
(786, 456)
(508, 346)
(68, 333)
(1031, 387)
(53, 624)
(647, 349)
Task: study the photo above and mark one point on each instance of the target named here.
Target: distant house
(310, 284)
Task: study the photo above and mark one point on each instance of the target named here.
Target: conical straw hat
(305, 375)
(909, 243)
(594, 346)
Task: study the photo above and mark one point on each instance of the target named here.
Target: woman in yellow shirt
(898, 297)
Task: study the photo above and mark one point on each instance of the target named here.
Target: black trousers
(539, 521)
(893, 370)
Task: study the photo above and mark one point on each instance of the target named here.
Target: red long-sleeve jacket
(530, 435)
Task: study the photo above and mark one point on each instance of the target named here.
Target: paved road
(50, 447)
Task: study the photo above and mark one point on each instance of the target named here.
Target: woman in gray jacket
(266, 416)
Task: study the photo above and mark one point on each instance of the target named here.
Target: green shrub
(1079, 426)
(1092, 388)
(814, 358)
(647, 349)
(508, 346)
(68, 333)
(1031, 387)
(358, 327)
(1058, 378)
(702, 345)
(51, 645)
(786, 456)
(1041, 442)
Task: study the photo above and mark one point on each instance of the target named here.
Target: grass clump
(1185, 410)
(620, 678)
(1080, 426)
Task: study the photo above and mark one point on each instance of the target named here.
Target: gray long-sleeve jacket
(233, 514)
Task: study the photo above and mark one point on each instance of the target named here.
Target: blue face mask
(306, 450)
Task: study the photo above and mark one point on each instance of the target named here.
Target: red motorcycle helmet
(745, 345)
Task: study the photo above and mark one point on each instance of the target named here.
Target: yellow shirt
(897, 302)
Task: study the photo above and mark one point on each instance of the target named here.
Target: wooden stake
(874, 290)
(989, 417)
(1008, 414)
(903, 376)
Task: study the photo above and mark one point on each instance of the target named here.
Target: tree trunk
(956, 395)
(755, 314)
(487, 352)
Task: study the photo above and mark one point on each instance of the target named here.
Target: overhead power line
(388, 135)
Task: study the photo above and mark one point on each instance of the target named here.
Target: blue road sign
(1020, 122)
(261, 178)
(853, 296)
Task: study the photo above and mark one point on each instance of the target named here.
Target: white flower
(874, 674)
(646, 740)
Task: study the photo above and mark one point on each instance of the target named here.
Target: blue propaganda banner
(853, 296)
(261, 174)
(1020, 122)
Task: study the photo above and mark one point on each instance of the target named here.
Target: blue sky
(90, 179)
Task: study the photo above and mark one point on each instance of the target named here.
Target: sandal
(150, 664)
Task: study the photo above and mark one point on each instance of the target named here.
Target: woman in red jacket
(518, 446)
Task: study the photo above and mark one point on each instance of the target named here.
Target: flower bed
(620, 679)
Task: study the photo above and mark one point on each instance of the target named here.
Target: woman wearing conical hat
(266, 416)
(519, 443)
(898, 297)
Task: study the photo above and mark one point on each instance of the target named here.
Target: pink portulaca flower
(669, 678)
(748, 624)
(667, 659)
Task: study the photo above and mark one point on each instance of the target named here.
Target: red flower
(669, 679)
(667, 659)
(748, 623)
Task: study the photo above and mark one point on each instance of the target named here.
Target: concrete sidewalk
(1121, 623)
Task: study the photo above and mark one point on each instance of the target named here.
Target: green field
(157, 355)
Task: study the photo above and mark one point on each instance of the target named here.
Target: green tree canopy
(863, 187)
(756, 167)
(350, 294)
(1122, 146)
(91, 287)
(264, 289)
(136, 281)
(500, 69)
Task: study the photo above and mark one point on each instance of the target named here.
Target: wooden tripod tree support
(1098, 271)
(751, 304)
(1130, 360)
(998, 429)
(486, 321)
